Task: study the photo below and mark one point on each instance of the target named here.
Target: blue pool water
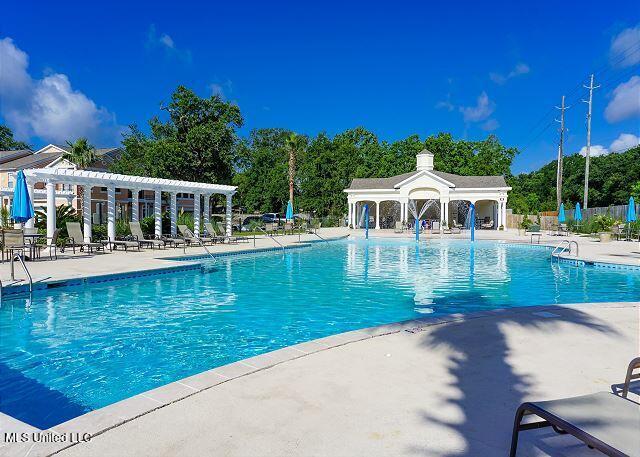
(75, 349)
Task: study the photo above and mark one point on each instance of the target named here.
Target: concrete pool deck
(437, 387)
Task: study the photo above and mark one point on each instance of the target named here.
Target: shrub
(526, 223)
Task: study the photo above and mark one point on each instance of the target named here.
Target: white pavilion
(446, 194)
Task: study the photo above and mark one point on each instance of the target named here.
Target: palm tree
(81, 153)
(293, 143)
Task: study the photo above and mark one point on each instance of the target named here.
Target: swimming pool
(75, 349)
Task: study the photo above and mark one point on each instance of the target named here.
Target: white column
(350, 222)
(206, 214)
(445, 212)
(498, 214)
(86, 212)
(377, 215)
(157, 212)
(504, 215)
(228, 214)
(51, 209)
(174, 214)
(111, 212)
(135, 205)
(31, 222)
(196, 214)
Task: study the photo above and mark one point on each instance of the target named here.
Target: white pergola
(88, 179)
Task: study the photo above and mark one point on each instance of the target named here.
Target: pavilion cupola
(424, 161)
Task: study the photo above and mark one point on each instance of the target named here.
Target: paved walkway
(443, 390)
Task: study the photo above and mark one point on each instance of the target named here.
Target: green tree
(262, 164)
(80, 152)
(8, 143)
(195, 143)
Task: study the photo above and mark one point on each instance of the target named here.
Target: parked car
(271, 217)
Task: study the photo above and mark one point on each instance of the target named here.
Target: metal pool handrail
(24, 267)
(271, 236)
(205, 248)
(563, 246)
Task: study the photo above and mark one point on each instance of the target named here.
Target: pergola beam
(88, 179)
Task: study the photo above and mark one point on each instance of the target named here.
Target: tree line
(196, 139)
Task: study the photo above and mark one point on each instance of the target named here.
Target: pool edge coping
(101, 420)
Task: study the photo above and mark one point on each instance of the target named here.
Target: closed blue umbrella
(22, 209)
(561, 216)
(577, 215)
(631, 211)
(289, 214)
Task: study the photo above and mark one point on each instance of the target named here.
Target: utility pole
(562, 108)
(586, 166)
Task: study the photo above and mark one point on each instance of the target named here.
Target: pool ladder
(564, 246)
(13, 276)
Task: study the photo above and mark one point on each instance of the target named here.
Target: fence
(618, 212)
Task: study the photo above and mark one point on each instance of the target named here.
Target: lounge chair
(604, 420)
(76, 239)
(136, 232)
(533, 228)
(190, 238)
(487, 224)
(214, 230)
(174, 242)
(399, 227)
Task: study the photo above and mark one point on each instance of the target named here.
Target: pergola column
(31, 222)
(229, 209)
(51, 209)
(111, 212)
(196, 214)
(157, 212)
(174, 214)
(135, 205)
(349, 222)
(86, 212)
(206, 214)
(378, 215)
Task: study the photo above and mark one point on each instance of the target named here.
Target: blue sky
(469, 68)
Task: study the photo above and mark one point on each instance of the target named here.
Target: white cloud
(624, 142)
(223, 90)
(165, 42)
(624, 50)
(595, 151)
(520, 69)
(625, 103)
(490, 125)
(481, 111)
(49, 107)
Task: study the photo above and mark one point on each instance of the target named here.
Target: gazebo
(88, 179)
(446, 194)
